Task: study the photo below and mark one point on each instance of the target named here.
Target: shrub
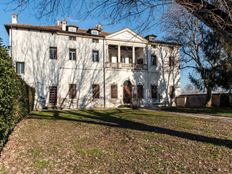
(16, 97)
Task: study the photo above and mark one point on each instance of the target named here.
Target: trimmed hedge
(16, 97)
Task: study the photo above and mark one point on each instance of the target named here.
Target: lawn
(117, 141)
(225, 112)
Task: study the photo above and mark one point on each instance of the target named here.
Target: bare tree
(216, 14)
(202, 49)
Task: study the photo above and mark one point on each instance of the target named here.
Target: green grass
(211, 111)
(118, 141)
(41, 164)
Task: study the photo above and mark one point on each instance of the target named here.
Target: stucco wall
(32, 47)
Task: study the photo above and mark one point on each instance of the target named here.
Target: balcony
(126, 57)
(120, 65)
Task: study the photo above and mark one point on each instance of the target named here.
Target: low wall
(198, 100)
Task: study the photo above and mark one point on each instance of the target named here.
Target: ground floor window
(140, 91)
(53, 95)
(72, 91)
(96, 91)
(154, 92)
(114, 91)
(20, 66)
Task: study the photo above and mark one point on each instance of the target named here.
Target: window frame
(50, 53)
(114, 95)
(93, 58)
(140, 94)
(19, 71)
(152, 59)
(171, 61)
(95, 94)
(73, 53)
(73, 38)
(95, 40)
(154, 95)
(72, 92)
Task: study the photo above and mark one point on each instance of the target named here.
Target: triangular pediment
(126, 35)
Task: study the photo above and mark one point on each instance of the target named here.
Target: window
(171, 61)
(171, 91)
(140, 61)
(96, 91)
(114, 91)
(140, 91)
(154, 91)
(95, 40)
(20, 66)
(72, 29)
(72, 54)
(72, 91)
(94, 32)
(154, 60)
(72, 38)
(95, 56)
(53, 52)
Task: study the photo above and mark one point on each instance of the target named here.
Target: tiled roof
(52, 29)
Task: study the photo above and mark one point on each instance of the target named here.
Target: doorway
(127, 92)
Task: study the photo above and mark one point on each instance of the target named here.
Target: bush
(16, 97)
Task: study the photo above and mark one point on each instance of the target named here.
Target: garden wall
(198, 100)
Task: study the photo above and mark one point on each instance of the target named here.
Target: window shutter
(96, 91)
(154, 91)
(72, 91)
(114, 91)
(140, 91)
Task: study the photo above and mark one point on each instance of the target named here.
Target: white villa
(70, 67)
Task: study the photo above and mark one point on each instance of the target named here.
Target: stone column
(133, 55)
(119, 53)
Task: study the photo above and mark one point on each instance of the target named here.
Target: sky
(29, 16)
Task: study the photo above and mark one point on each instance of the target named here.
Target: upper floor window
(140, 91)
(72, 29)
(153, 60)
(72, 54)
(53, 53)
(95, 40)
(72, 38)
(95, 56)
(171, 61)
(96, 91)
(154, 92)
(94, 32)
(114, 91)
(72, 91)
(20, 66)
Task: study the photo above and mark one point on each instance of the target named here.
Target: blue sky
(28, 16)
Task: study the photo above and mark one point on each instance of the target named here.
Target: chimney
(58, 23)
(99, 27)
(14, 18)
(64, 24)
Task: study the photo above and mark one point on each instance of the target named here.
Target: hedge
(16, 97)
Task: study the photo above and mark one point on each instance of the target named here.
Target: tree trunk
(208, 102)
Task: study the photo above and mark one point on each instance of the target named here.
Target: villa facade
(71, 67)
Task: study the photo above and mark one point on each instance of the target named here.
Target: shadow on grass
(202, 110)
(110, 119)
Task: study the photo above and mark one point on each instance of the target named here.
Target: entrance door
(127, 92)
(53, 95)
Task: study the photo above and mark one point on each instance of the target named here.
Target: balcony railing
(121, 65)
